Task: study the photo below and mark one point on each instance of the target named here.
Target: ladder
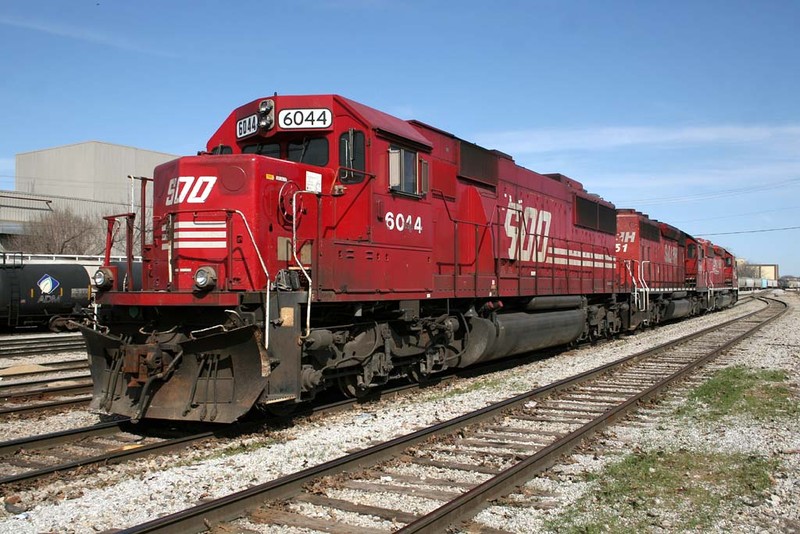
(12, 263)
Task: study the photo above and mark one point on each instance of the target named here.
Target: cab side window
(351, 157)
(408, 173)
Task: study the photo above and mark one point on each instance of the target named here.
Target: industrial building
(90, 178)
(770, 271)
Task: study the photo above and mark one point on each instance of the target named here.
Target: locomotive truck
(319, 243)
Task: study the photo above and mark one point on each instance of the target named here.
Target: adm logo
(48, 285)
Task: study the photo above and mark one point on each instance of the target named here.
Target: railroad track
(18, 396)
(27, 459)
(29, 370)
(29, 408)
(40, 344)
(21, 390)
(503, 445)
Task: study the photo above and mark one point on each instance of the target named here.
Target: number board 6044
(310, 118)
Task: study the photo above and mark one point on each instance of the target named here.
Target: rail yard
(408, 337)
(422, 479)
(369, 267)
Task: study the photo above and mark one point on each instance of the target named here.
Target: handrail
(710, 285)
(129, 220)
(228, 212)
(297, 260)
(645, 286)
(636, 297)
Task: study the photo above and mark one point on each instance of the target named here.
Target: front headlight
(205, 278)
(103, 279)
(266, 114)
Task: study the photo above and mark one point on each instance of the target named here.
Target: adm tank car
(35, 293)
(321, 243)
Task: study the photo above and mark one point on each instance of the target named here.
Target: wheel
(281, 409)
(350, 388)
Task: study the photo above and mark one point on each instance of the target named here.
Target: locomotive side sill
(163, 298)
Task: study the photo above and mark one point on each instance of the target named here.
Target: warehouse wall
(89, 178)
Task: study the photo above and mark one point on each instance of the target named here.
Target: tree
(61, 232)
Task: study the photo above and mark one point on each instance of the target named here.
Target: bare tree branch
(61, 232)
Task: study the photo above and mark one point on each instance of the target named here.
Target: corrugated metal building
(89, 178)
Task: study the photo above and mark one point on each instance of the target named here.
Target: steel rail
(45, 368)
(28, 408)
(115, 455)
(27, 346)
(40, 381)
(469, 503)
(57, 438)
(72, 388)
(198, 518)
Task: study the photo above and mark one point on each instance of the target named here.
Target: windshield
(313, 151)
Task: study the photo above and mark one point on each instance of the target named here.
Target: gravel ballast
(123, 495)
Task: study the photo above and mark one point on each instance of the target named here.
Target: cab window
(311, 151)
(272, 150)
(691, 251)
(222, 149)
(407, 172)
(352, 157)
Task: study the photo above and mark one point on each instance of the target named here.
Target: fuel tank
(515, 333)
(677, 309)
(723, 301)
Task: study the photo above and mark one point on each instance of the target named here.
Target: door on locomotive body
(627, 250)
(399, 260)
(729, 268)
(716, 266)
(345, 224)
(702, 274)
(667, 275)
(651, 254)
(691, 263)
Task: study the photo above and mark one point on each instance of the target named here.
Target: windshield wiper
(306, 141)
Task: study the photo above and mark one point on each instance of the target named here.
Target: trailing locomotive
(318, 243)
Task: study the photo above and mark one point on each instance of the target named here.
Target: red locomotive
(320, 243)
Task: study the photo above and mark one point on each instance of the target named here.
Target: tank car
(319, 243)
(36, 293)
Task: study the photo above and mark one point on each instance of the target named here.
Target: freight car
(318, 243)
(747, 284)
(51, 291)
(35, 292)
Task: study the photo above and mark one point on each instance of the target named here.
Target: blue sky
(687, 110)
